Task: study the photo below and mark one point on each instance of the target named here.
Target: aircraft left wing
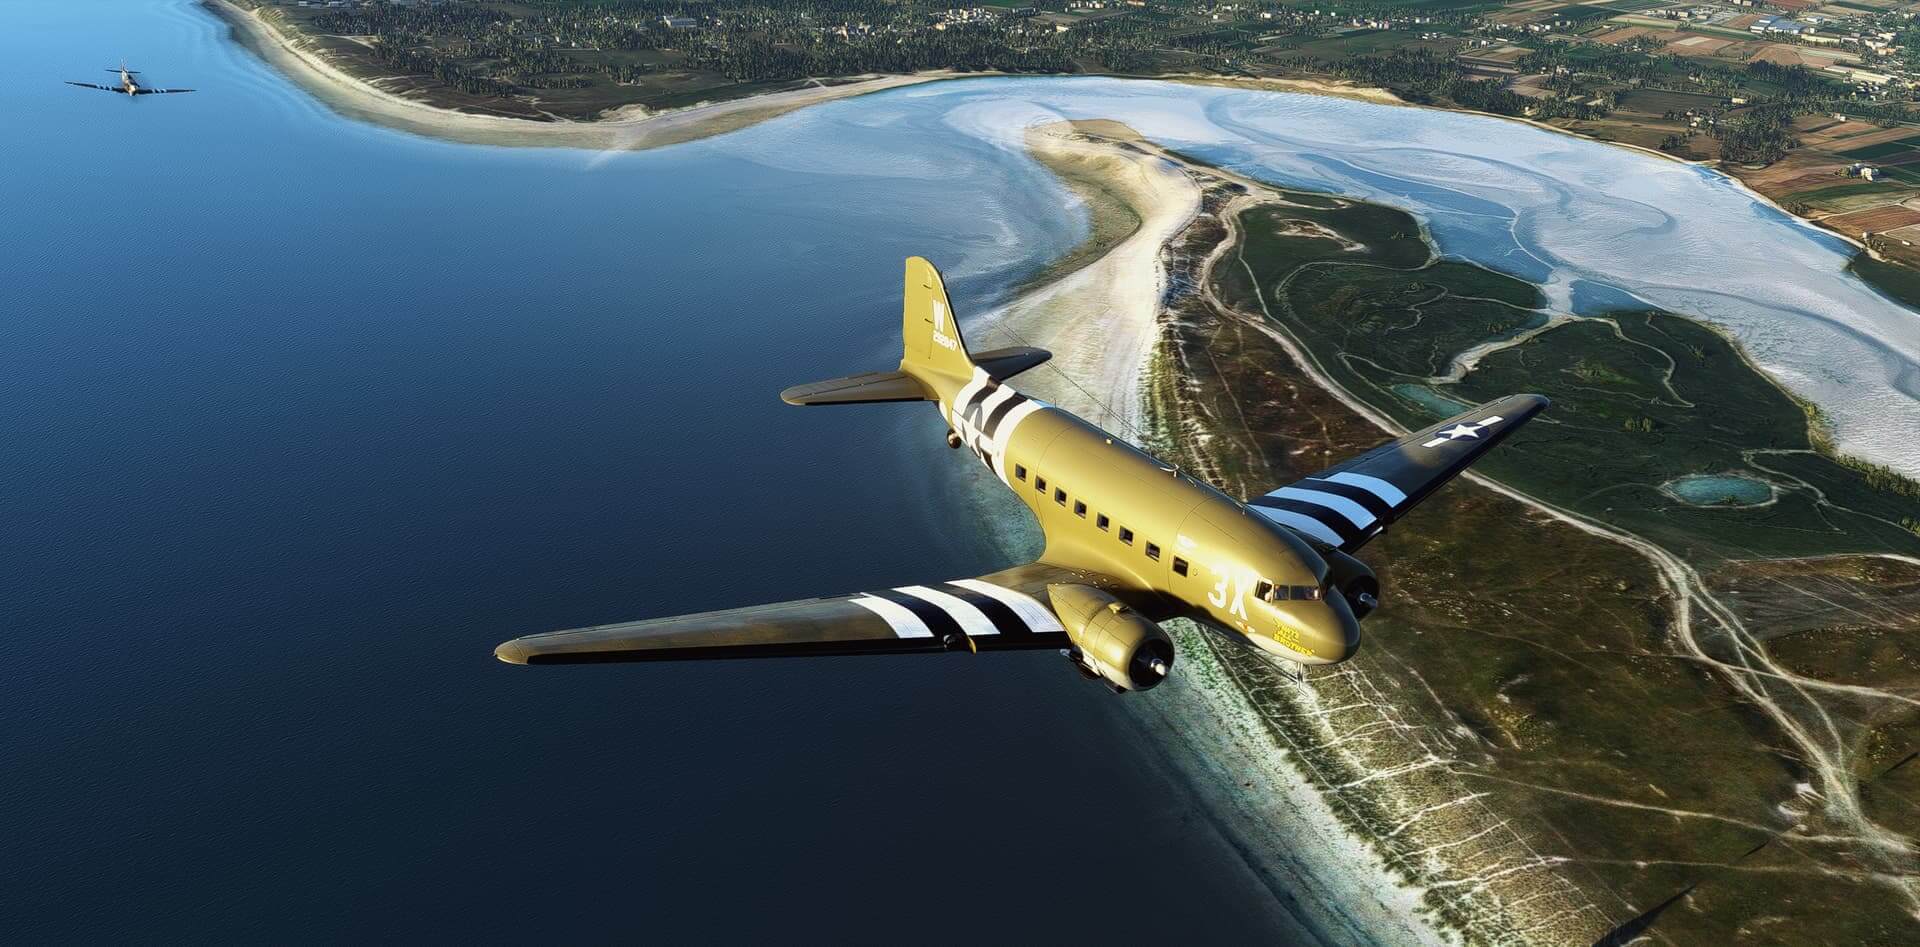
(1004, 611)
(89, 85)
(1349, 503)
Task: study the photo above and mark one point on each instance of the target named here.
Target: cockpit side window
(1264, 592)
(1306, 593)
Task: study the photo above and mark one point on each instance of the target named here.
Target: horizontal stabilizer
(876, 387)
(857, 389)
(1002, 364)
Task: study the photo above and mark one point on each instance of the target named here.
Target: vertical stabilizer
(933, 345)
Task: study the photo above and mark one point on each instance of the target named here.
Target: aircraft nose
(1337, 633)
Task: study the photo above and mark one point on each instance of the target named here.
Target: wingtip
(1528, 400)
(513, 652)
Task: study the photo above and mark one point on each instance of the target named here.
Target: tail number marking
(940, 320)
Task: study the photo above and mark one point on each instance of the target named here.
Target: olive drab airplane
(1130, 541)
(128, 85)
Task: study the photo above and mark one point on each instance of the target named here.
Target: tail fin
(934, 362)
(931, 335)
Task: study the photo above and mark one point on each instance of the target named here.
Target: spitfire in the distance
(1130, 541)
(129, 86)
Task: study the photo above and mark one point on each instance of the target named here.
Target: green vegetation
(1899, 283)
(1760, 136)
(1640, 398)
(1524, 677)
(1881, 150)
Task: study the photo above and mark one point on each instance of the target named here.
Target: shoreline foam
(1321, 872)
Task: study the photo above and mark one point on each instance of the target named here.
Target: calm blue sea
(301, 417)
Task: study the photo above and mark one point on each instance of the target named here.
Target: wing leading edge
(1348, 504)
(1004, 611)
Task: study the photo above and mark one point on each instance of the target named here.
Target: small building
(680, 22)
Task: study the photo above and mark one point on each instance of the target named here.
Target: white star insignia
(1465, 431)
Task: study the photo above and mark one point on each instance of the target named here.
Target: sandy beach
(1337, 89)
(631, 129)
(1101, 319)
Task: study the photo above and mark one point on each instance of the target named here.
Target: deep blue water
(303, 416)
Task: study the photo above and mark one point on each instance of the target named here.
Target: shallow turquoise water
(1720, 489)
(1435, 403)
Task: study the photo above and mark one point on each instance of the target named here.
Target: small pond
(1432, 401)
(1719, 490)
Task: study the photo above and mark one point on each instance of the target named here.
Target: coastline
(636, 129)
(1104, 320)
(1113, 297)
(1099, 309)
(632, 129)
(1381, 96)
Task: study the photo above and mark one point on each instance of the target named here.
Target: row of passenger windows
(1099, 519)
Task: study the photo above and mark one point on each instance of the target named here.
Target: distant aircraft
(1130, 541)
(127, 84)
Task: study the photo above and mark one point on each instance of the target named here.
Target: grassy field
(1900, 283)
(1883, 150)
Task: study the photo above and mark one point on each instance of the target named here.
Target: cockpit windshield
(1269, 592)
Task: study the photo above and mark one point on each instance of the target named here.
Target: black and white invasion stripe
(985, 415)
(1340, 509)
(965, 606)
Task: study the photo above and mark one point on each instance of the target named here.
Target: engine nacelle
(1110, 640)
(1354, 581)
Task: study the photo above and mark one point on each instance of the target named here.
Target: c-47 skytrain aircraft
(1130, 541)
(128, 86)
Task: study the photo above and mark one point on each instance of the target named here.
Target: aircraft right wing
(1004, 611)
(159, 91)
(1351, 502)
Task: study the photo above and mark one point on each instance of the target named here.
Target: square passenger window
(1153, 551)
(1101, 521)
(1179, 566)
(1126, 535)
(1060, 495)
(1019, 472)
(1080, 509)
(1040, 483)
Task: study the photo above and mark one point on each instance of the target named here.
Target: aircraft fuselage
(1108, 507)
